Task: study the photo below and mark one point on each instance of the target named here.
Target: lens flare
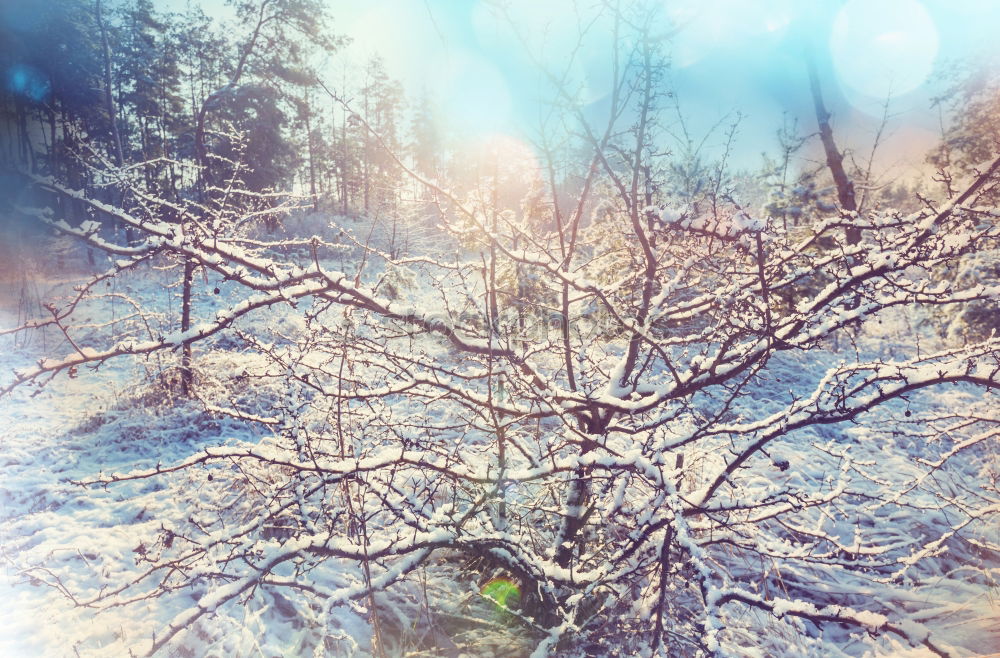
(508, 162)
(503, 591)
(28, 82)
(883, 48)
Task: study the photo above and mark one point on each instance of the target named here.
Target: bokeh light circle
(883, 48)
(28, 82)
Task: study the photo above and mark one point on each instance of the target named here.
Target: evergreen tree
(427, 144)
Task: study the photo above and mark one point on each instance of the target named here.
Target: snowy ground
(114, 419)
(58, 537)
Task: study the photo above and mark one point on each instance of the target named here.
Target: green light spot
(505, 592)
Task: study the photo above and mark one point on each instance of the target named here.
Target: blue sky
(729, 55)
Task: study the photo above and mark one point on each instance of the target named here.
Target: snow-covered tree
(639, 448)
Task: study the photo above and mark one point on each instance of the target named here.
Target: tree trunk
(109, 104)
(187, 376)
(834, 158)
(344, 189)
(312, 159)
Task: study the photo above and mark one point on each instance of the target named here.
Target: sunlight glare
(548, 31)
(396, 30)
(550, 25)
(510, 157)
(475, 95)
